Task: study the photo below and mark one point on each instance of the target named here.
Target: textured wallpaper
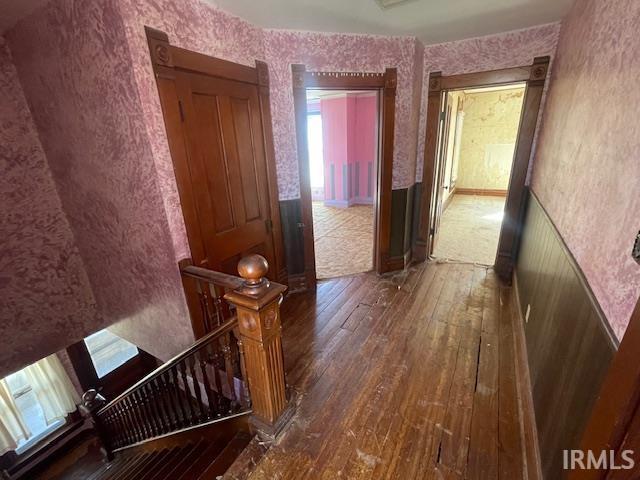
(46, 300)
(587, 169)
(74, 67)
(337, 52)
(197, 26)
(489, 133)
(86, 73)
(510, 49)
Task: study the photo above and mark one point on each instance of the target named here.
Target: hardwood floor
(410, 376)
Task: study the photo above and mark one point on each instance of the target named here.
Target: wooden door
(227, 162)
(218, 123)
(445, 123)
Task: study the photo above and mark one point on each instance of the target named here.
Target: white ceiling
(432, 21)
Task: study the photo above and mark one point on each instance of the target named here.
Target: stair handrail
(226, 327)
(244, 346)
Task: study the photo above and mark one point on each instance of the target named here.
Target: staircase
(194, 415)
(200, 460)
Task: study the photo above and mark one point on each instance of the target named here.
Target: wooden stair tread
(168, 461)
(225, 457)
(191, 456)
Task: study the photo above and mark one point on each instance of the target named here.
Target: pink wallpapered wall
(587, 168)
(45, 292)
(334, 145)
(510, 49)
(349, 130)
(75, 70)
(194, 25)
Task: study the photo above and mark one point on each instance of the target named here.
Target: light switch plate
(636, 249)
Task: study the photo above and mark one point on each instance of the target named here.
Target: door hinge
(442, 115)
(432, 231)
(269, 224)
(181, 111)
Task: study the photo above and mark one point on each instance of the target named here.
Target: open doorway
(480, 134)
(372, 191)
(343, 147)
(444, 138)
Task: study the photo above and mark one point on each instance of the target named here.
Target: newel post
(258, 307)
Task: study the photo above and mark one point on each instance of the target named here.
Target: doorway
(480, 133)
(439, 132)
(361, 209)
(343, 141)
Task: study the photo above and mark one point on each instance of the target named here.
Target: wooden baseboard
(449, 198)
(297, 283)
(531, 448)
(479, 191)
(400, 262)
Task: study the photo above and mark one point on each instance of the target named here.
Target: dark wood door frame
(386, 84)
(167, 60)
(615, 419)
(534, 76)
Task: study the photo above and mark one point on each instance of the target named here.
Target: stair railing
(235, 367)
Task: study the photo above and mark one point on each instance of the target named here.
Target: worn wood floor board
(408, 376)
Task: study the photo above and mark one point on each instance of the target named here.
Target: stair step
(226, 457)
(153, 459)
(190, 457)
(125, 472)
(168, 459)
(171, 463)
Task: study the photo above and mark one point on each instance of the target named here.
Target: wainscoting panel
(401, 226)
(291, 217)
(569, 343)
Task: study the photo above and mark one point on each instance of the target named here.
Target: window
(108, 351)
(31, 410)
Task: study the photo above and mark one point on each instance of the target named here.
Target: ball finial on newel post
(253, 269)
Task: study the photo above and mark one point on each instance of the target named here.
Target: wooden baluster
(122, 426)
(144, 413)
(214, 361)
(152, 409)
(125, 438)
(258, 307)
(228, 366)
(191, 362)
(163, 418)
(134, 416)
(179, 396)
(246, 398)
(204, 304)
(167, 394)
(143, 422)
(186, 393)
(202, 359)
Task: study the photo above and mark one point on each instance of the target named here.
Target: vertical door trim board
(166, 60)
(535, 76)
(611, 419)
(386, 84)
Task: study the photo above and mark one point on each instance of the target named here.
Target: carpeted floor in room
(470, 228)
(343, 239)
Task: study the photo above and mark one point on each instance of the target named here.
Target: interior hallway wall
(489, 134)
(586, 172)
(73, 63)
(45, 292)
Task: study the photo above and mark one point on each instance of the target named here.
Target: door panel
(227, 166)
